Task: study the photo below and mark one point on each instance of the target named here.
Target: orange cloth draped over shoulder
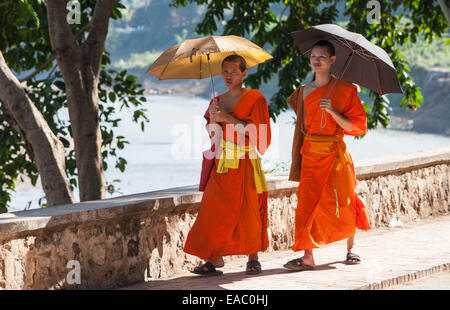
(232, 218)
(328, 208)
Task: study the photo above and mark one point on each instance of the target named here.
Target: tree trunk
(445, 6)
(80, 68)
(82, 100)
(48, 151)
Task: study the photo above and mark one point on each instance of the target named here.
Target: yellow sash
(230, 157)
(324, 145)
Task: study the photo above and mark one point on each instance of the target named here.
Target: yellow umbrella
(201, 58)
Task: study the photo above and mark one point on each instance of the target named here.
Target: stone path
(391, 256)
(436, 281)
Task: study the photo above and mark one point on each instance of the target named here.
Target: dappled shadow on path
(196, 282)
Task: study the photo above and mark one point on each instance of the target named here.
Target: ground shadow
(196, 282)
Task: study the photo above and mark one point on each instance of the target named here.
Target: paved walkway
(391, 256)
(436, 281)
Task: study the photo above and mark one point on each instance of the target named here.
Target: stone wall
(120, 241)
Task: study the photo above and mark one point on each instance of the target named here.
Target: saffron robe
(232, 218)
(328, 208)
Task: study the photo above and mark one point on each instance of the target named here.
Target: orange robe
(328, 208)
(232, 218)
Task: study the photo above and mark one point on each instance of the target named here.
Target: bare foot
(308, 260)
(253, 265)
(219, 263)
(352, 255)
(298, 264)
(253, 256)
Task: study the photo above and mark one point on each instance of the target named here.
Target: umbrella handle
(210, 75)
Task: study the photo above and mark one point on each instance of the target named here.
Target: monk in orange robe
(328, 208)
(232, 218)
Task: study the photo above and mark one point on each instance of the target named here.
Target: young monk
(328, 208)
(232, 218)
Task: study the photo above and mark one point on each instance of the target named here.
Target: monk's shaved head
(327, 45)
(236, 59)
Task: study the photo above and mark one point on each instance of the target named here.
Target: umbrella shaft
(347, 63)
(212, 80)
(332, 88)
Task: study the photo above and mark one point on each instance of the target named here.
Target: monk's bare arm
(213, 109)
(230, 119)
(212, 129)
(343, 121)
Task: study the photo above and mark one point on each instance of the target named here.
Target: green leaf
(112, 96)
(60, 84)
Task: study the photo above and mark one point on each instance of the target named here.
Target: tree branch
(99, 30)
(48, 151)
(61, 36)
(445, 6)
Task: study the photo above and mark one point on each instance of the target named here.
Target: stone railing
(116, 242)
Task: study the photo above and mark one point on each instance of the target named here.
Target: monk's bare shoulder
(308, 88)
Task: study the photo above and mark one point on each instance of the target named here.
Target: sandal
(207, 269)
(297, 265)
(253, 267)
(352, 259)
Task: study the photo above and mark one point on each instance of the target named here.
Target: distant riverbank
(432, 117)
(434, 114)
(168, 153)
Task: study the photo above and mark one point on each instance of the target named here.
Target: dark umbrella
(358, 60)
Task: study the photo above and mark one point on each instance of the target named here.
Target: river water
(168, 153)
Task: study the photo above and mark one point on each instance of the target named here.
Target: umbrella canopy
(201, 58)
(358, 60)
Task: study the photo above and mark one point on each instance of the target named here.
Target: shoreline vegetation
(432, 117)
(131, 50)
(434, 114)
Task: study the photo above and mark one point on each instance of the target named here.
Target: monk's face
(321, 60)
(232, 74)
